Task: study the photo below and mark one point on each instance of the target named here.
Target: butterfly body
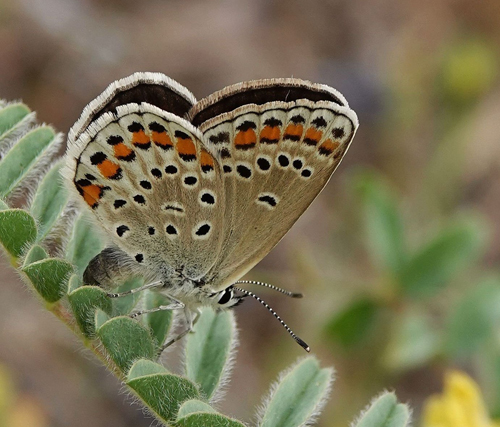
(194, 194)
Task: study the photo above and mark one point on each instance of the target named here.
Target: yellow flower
(460, 405)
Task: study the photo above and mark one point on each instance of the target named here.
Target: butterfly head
(225, 299)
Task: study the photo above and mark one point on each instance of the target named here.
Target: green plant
(50, 226)
(410, 281)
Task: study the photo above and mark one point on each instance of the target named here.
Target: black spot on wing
(221, 137)
(98, 158)
(283, 160)
(207, 198)
(121, 230)
(246, 125)
(156, 173)
(271, 201)
(338, 132)
(297, 119)
(146, 185)
(119, 203)
(263, 163)
(180, 134)
(171, 229)
(190, 180)
(156, 127)
(273, 122)
(114, 140)
(319, 122)
(171, 169)
(139, 198)
(135, 127)
(203, 230)
(243, 171)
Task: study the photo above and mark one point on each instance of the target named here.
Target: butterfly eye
(225, 297)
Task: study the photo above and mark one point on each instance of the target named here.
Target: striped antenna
(267, 285)
(295, 337)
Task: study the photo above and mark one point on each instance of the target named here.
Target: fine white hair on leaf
(363, 412)
(58, 237)
(38, 170)
(21, 128)
(65, 222)
(316, 411)
(225, 376)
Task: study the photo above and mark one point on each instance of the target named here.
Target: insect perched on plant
(191, 195)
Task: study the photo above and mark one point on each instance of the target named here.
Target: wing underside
(276, 157)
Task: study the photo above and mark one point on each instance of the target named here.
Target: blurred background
(399, 256)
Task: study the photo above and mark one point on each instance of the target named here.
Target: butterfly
(192, 194)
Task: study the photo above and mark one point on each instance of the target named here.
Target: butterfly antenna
(295, 337)
(267, 285)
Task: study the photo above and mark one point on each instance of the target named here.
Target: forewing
(276, 158)
(152, 186)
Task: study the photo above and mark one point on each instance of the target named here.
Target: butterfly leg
(191, 320)
(152, 285)
(173, 306)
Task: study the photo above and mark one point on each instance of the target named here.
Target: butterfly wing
(279, 142)
(145, 176)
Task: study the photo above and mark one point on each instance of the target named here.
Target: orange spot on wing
(121, 150)
(140, 138)
(294, 132)
(312, 136)
(328, 147)
(162, 139)
(186, 148)
(245, 139)
(91, 194)
(270, 134)
(206, 159)
(109, 169)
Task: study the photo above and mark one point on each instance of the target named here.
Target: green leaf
(195, 413)
(298, 396)
(442, 259)
(50, 199)
(192, 406)
(74, 283)
(209, 349)
(160, 321)
(353, 324)
(207, 420)
(10, 117)
(22, 158)
(486, 364)
(143, 368)
(412, 343)
(17, 231)
(126, 341)
(124, 305)
(84, 301)
(49, 277)
(36, 253)
(383, 222)
(162, 392)
(474, 320)
(3, 206)
(85, 243)
(385, 411)
(100, 318)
